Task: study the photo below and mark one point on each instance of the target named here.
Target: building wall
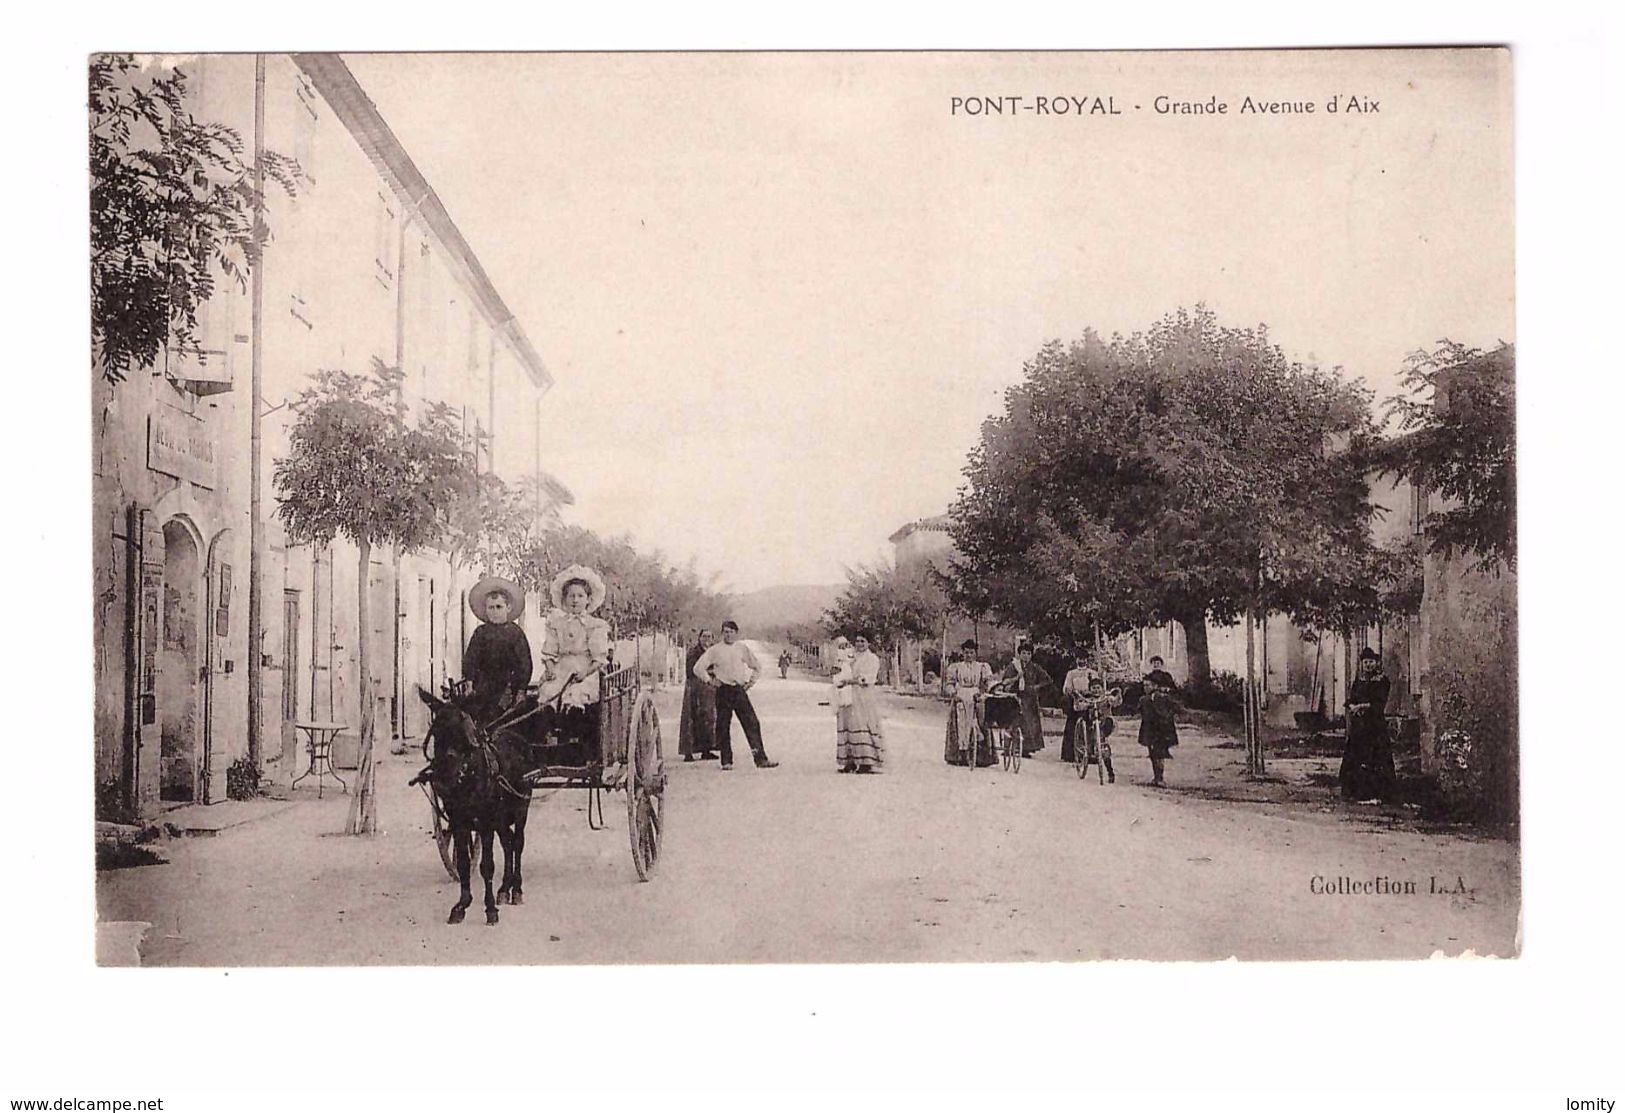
(1468, 635)
(200, 517)
(352, 274)
(935, 546)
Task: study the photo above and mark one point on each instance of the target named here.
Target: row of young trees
(645, 591)
(360, 468)
(890, 603)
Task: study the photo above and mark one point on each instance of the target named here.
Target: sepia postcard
(803, 507)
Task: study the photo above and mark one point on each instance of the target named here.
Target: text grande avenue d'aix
(1091, 105)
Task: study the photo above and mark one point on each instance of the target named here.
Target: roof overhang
(350, 103)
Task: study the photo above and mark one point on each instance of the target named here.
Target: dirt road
(798, 864)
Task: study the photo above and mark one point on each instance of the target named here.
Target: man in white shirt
(732, 668)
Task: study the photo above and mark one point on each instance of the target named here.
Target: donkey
(479, 777)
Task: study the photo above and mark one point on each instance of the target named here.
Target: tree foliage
(171, 201)
(1186, 472)
(645, 592)
(485, 523)
(889, 603)
(1459, 442)
(356, 469)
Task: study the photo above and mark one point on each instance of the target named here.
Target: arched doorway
(179, 663)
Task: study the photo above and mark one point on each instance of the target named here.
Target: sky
(779, 293)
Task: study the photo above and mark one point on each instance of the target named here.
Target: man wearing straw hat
(497, 662)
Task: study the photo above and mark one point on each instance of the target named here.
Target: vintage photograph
(803, 507)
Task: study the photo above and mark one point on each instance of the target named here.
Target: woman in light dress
(575, 649)
(860, 737)
(967, 679)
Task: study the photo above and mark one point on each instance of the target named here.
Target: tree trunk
(363, 817)
(1198, 667)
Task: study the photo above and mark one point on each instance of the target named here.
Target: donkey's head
(450, 727)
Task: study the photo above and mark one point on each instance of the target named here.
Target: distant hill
(767, 612)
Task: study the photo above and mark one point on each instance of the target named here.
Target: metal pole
(397, 690)
(256, 528)
(315, 626)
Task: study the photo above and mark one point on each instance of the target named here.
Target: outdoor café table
(319, 743)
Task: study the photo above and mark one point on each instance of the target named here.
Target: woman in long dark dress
(1024, 677)
(696, 727)
(1158, 734)
(1367, 772)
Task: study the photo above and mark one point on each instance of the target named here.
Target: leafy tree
(1459, 442)
(1186, 472)
(890, 603)
(171, 200)
(356, 469)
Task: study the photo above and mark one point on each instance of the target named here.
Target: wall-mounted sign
(180, 446)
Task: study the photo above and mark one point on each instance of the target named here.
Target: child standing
(1157, 731)
(1098, 725)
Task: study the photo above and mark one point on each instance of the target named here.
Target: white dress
(575, 644)
(843, 671)
(860, 736)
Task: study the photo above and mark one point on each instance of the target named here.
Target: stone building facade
(364, 265)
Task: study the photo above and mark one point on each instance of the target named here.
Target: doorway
(418, 657)
(290, 656)
(178, 667)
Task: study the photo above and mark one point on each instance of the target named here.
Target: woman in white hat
(497, 661)
(575, 644)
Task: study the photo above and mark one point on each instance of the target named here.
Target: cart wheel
(448, 851)
(645, 787)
